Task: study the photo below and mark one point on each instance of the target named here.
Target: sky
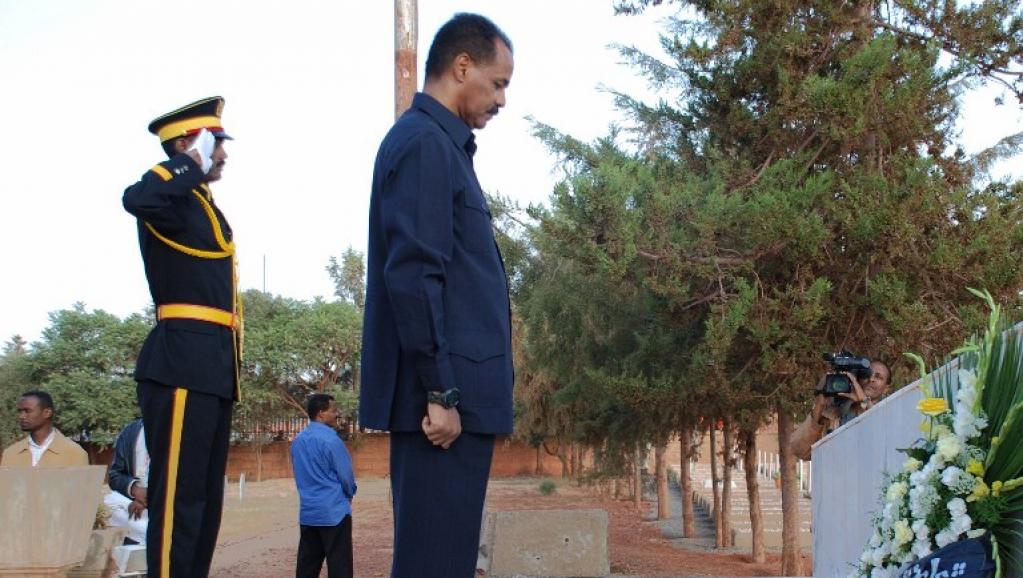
(309, 89)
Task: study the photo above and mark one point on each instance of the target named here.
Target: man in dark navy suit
(187, 370)
(437, 364)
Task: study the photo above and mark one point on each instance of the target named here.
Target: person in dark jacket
(437, 361)
(128, 478)
(187, 370)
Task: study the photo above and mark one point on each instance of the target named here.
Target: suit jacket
(192, 354)
(121, 474)
(437, 309)
(62, 452)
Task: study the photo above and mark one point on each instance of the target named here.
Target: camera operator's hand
(856, 394)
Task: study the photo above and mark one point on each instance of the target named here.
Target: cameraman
(829, 412)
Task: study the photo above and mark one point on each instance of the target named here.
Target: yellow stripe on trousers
(177, 424)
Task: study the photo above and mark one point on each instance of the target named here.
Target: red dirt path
(260, 534)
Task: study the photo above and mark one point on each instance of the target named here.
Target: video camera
(844, 361)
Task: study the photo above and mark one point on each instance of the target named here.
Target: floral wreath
(961, 480)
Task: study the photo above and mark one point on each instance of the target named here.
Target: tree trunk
(573, 453)
(539, 461)
(259, 458)
(563, 458)
(663, 497)
(685, 482)
(727, 463)
(637, 478)
(756, 516)
(714, 484)
(791, 559)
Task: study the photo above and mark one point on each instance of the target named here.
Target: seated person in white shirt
(128, 478)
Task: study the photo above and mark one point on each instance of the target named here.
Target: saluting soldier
(187, 370)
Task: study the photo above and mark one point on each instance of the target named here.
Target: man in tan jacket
(45, 446)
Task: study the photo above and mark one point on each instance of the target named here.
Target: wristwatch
(447, 399)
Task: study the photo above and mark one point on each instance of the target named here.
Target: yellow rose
(996, 488)
(932, 406)
(975, 467)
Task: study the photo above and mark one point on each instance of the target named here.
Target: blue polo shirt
(323, 475)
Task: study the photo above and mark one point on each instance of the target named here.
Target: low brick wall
(371, 459)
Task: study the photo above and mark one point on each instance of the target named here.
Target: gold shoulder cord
(227, 250)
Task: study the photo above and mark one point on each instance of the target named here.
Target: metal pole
(406, 36)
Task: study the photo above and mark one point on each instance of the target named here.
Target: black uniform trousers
(187, 434)
(438, 504)
(331, 542)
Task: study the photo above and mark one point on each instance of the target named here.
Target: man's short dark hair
(472, 34)
(316, 403)
(45, 400)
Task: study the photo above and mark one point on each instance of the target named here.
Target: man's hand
(441, 426)
(139, 494)
(201, 149)
(135, 509)
(856, 394)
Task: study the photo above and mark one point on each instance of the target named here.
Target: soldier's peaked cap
(190, 119)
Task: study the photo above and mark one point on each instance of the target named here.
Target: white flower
(875, 540)
(877, 556)
(866, 556)
(951, 476)
(945, 537)
(882, 572)
(967, 380)
(921, 530)
(897, 491)
(922, 500)
(956, 507)
(911, 465)
(948, 447)
(922, 548)
(903, 535)
(958, 481)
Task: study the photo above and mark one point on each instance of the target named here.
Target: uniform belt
(197, 312)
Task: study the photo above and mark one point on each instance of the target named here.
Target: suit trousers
(187, 434)
(438, 504)
(331, 542)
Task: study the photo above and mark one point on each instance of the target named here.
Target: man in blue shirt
(437, 361)
(326, 486)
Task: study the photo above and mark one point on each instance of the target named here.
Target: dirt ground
(259, 535)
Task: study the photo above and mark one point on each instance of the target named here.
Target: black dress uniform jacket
(187, 353)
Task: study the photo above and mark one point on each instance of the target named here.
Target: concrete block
(130, 560)
(98, 562)
(550, 543)
(58, 503)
